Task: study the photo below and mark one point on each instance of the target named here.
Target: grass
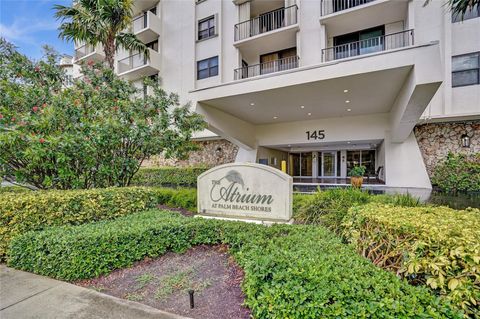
(144, 279)
(180, 281)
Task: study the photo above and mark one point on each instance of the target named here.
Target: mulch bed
(164, 282)
(182, 211)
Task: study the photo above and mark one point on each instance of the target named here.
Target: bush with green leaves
(291, 271)
(35, 210)
(434, 246)
(168, 176)
(328, 207)
(93, 134)
(357, 171)
(458, 173)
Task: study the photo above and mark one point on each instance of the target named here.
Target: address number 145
(315, 135)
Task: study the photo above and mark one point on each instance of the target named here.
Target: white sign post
(245, 191)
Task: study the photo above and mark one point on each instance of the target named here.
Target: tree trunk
(109, 48)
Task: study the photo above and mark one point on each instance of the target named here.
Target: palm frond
(129, 41)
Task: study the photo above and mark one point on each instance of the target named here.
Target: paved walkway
(25, 295)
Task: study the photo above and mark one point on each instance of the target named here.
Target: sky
(29, 24)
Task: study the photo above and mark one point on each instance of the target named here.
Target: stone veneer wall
(211, 153)
(436, 140)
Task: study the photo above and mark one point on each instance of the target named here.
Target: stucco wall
(437, 139)
(211, 153)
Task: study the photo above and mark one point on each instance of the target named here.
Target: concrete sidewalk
(25, 295)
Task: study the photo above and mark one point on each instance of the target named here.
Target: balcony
(146, 27)
(267, 22)
(332, 6)
(138, 65)
(87, 52)
(279, 65)
(371, 45)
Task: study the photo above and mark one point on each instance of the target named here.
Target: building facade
(323, 85)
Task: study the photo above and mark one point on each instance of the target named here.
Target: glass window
(466, 69)
(207, 68)
(469, 14)
(206, 28)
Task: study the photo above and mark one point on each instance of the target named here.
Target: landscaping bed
(164, 282)
(291, 271)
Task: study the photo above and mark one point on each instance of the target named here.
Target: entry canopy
(400, 83)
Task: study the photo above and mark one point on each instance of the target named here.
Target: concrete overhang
(399, 82)
(375, 13)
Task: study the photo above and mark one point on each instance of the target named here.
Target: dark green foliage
(168, 176)
(290, 271)
(458, 173)
(93, 134)
(328, 207)
(35, 210)
(357, 171)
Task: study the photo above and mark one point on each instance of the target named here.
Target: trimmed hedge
(13, 189)
(167, 176)
(434, 246)
(39, 209)
(291, 271)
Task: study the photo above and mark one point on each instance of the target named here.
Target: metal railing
(266, 67)
(83, 51)
(266, 22)
(140, 22)
(332, 6)
(370, 45)
(132, 62)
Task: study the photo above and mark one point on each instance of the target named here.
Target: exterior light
(252, 104)
(289, 145)
(309, 113)
(302, 106)
(349, 110)
(275, 117)
(345, 91)
(347, 101)
(465, 140)
(348, 142)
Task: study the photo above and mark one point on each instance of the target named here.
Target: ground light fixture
(252, 104)
(345, 91)
(275, 117)
(309, 113)
(347, 101)
(302, 106)
(465, 139)
(349, 110)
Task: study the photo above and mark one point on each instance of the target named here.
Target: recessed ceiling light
(275, 117)
(349, 110)
(309, 113)
(302, 106)
(252, 104)
(289, 145)
(345, 91)
(348, 142)
(347, 101)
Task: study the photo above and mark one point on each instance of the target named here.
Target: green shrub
(403, 200)
(291, 271)
(37, 210)
(13, 189)
(328, 207)
(167, 176)
(434, 246)
(458, 173)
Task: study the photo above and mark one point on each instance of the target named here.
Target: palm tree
(100, 21)
(460, 7)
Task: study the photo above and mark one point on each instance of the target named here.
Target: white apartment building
(321, 84)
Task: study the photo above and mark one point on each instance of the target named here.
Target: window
(206, 28)
(466, 69)
(469, 14)
(207, 68)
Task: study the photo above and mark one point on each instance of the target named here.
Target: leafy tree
(94, 134)
(100, 21)
(460, 7)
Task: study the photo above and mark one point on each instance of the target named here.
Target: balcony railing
(132, 62)
(332, 6)
(267, 67)
(83, 51)
(270, 21)
(370, 45)
(140, 22)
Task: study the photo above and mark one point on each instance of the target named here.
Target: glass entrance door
(329, 160)
(300, 164)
